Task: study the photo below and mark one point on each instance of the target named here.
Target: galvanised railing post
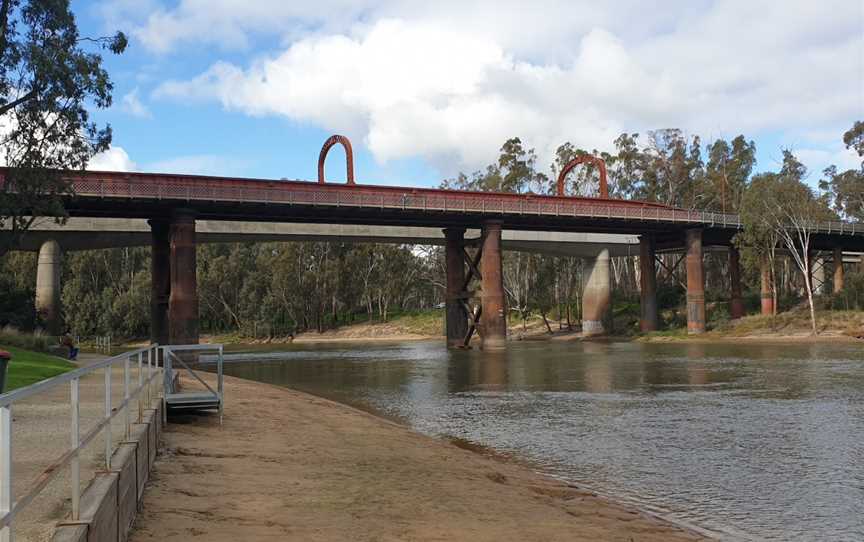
(76, 455)
(138, 393)
(219, 371)
(6, 469)
(126, 395)
(108, 442)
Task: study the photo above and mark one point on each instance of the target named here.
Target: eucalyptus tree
(49, 75)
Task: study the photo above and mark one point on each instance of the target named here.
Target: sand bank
(290, 466)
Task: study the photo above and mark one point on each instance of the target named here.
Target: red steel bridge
(172, 203)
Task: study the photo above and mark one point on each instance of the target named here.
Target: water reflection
(756, 441)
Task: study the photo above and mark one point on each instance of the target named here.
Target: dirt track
(289, 466)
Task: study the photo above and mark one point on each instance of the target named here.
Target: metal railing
(214, 397)
(142, 393)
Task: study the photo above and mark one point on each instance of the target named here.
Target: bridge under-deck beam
(695, 282)
(493, 320)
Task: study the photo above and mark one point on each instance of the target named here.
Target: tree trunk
(545, 321)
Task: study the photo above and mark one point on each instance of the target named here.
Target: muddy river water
(750, 441)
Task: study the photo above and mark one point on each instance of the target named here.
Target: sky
(425, 90)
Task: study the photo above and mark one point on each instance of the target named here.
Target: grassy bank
(28, 367)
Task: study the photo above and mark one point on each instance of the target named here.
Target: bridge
(173, 205)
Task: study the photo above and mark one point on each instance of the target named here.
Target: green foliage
(47, 82)
(17, 291)
(27, 367)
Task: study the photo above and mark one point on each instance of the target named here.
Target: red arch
(349, 157)
(585, 158)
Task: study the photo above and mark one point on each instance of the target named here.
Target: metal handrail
(168, 359)
(143, 392)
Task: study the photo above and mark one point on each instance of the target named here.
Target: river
(750, 441)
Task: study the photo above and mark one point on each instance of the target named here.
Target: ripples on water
(752, 441)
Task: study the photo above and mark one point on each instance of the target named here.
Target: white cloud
(452, 90)
(132, 105)
(114, 159)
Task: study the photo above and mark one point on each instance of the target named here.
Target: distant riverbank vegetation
(277, 289)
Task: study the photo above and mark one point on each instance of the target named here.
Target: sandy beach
(290, 466)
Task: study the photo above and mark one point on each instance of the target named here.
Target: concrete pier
(493, 320)
(160, 273)
(736, 303)
(695, 283)
(183, 300)
(456, 320)
(839, 278)
(48, 286)
(648, 283)
(596, 296)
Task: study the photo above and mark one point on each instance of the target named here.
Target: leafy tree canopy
(47, 80)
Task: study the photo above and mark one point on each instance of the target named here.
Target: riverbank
(290, 466)
(793, 325)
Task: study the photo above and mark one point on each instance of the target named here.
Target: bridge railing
(214, 189)
(144, 391)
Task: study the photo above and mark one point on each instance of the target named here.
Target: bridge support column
(736, 304)
(183, 300)
(48, 286)
(160, 279)
(839, 278)
(596, 295)
(695, 283)
(456, 320)
(648, 282)
(493, 320)
(766, 290)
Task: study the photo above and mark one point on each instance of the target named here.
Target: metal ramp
(177, 400)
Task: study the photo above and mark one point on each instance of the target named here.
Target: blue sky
(425, 90)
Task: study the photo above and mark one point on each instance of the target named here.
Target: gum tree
(48, 77)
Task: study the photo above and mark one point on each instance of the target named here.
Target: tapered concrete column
(183, 300)
(493, 320)
(456, 321)
(695, 283)
(596, 294)
(48, 286)
(766, 289)
(648, 283)
(736, 304)
(839, 278)
(160, 279)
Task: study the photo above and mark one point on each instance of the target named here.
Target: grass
(28, 367)
(430, 322)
